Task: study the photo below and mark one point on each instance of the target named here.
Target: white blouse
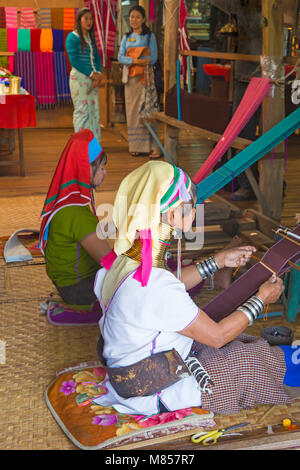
(140, 321)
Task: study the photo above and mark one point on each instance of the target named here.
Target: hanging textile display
(2, 18)
(58, 40)
(183, 38)
(105, 17)
(24, 67)
(57, 18)
(69, 18)
(11, 17)
(44, 18)
(23, 39)
(62, 88)
(3, 47)
(46, 40)
(35, 40)
(45, 80)
(252, 98)
(27, 18)
(12, 46)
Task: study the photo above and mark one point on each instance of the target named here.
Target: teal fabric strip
(243, 160)
(23, 39)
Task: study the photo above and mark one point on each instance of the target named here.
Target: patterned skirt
(245, 372)
(139, 139)
(86, 113)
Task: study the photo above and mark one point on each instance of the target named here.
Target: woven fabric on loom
(3, 47)
(69, 18)
(27, 18)
(2, 18)
(24, 67)
(11, 17)
(44, 18)
(62, 88)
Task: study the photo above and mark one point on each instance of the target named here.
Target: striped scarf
(11, 17)
(44, 18)
(27, 18)
(69, 18)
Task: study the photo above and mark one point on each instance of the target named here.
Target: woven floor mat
(35, 350)
(24, 281)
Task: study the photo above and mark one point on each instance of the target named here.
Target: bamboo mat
(35, 350)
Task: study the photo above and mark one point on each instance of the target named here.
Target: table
(16, 112)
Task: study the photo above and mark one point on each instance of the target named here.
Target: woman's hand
(96, 81)
(141, 61)
(270, 291)
(234, 257)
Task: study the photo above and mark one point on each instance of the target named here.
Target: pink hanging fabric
(151, 11)
(12, 46)
(27, 18)
(256, 91)
(11, 17)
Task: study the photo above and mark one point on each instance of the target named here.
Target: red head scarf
(71, 183)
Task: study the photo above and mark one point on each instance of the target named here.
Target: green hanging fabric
(3, 47)
(23, 39)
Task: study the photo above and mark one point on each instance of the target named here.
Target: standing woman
(86, 73)
(138, 51)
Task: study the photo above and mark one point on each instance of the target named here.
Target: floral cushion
(91, 426)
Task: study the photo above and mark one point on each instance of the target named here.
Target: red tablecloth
(17, 111)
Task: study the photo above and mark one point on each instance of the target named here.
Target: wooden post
(271, 170)
(145, 5)
(171, 11)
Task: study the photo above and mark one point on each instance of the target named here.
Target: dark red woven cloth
(35, 35)
(17, 112)
(2, 18)
(244, 287)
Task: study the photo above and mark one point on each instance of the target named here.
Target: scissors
(211, 437)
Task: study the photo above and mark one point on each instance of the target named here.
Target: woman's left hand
(234, 257)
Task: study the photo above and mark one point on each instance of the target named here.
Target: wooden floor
(43, 148)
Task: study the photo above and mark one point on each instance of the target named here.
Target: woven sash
(276, 259)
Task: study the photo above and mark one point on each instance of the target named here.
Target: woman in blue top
(85, 76)
(140, 36)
